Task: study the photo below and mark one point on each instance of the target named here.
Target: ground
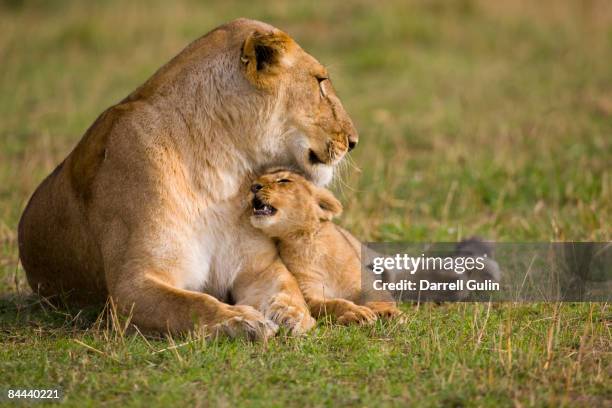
(476, 117)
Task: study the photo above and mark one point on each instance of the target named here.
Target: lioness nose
(256, 187)
(353, 139)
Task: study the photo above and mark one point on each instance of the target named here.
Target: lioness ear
(328, 204)
(262, 55)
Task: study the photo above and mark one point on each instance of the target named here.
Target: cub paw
(289, 313)
(245, 322)
(386, 310)
(357, 315)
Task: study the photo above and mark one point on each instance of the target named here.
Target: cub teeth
(264, 210)
(261, 208)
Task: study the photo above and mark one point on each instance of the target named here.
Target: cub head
(283, 202)
(315, 130)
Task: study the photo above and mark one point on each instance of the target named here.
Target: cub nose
(256, 187)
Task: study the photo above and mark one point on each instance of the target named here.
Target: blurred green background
(476, 117)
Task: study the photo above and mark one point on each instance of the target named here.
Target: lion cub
(322, 256)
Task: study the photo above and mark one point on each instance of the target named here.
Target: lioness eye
(321, 88)
(283, 181)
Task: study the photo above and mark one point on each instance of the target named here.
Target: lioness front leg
(157, 306)
(275, 292)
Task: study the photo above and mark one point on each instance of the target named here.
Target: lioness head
(317, 131)
(283, 202)
(249, 93)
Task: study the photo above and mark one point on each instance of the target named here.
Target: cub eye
(283, 181)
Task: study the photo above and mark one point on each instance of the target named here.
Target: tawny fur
(323, 257)
(147, 208)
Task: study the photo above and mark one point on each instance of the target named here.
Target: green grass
(475, 118)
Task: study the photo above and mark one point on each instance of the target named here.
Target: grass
(475, 118)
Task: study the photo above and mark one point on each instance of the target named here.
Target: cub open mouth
(261, 208)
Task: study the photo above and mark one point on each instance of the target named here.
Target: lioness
(324, 258)
(145, 208)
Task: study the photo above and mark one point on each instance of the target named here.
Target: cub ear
(262, 55)
(329, 206)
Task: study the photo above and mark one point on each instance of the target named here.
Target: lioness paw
(357, 315)
(245, 322)
(288, 313)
